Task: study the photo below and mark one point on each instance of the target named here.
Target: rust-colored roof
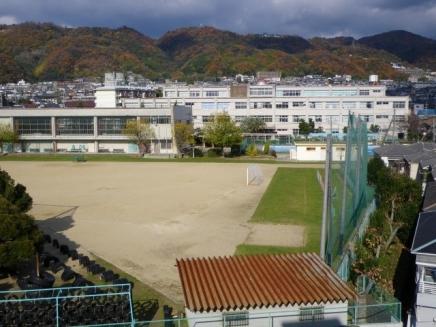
(238, 282)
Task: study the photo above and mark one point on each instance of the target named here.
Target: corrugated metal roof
(224, 283)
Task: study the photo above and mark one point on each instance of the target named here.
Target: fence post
(57, 310)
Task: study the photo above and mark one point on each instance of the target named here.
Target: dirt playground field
(142, 216)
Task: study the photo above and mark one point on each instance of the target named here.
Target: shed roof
(243, 282)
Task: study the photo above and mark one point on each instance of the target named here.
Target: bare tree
(140, 133)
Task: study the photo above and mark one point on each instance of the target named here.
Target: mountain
(410, 47)
(43, 51)
(49, 52)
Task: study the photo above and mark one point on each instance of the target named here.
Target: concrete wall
(335, 315)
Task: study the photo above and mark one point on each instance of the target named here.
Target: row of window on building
(298, 118)
(268, 91)
(79, 125)
(299, 104)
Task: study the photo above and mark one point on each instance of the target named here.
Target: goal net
(254, 175)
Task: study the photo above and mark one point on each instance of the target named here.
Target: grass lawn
(293, 196)
(130, 158)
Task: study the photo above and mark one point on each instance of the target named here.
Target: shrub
(273, 153)
(251, 150)
(214, 152)
(266, 147)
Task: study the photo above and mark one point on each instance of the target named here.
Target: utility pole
(327, 199)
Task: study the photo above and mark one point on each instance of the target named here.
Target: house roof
(429, 203)
(237, 282)
(423, 153)
(424, 240)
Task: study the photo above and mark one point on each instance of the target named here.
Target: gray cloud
(302, 17)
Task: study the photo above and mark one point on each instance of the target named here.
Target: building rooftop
(236, 282)
(424, 240)
(429, 203)
(425, 153)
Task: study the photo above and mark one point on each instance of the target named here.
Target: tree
(304, 128)
(183, 135)
(14, 193)
(222, 131)
(374, 128)
(252, 125)
(139, 133)
(8, 136)
(20, 238)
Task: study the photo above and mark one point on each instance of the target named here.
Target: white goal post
(254, 175)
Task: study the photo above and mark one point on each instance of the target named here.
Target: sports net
(349, 196)
(254, 175)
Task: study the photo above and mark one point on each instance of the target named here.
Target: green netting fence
(349, 197)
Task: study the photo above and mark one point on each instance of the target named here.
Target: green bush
(266, 147)
(214, 152)
(251, 150)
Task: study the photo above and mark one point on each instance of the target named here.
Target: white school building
(281, 106)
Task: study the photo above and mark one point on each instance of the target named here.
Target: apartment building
(281, 106)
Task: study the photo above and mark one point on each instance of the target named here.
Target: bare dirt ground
(142, 216)
(276, 235)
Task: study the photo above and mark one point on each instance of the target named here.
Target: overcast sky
(302, 17)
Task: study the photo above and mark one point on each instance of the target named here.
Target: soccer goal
(254, 175)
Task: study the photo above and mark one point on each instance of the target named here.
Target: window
(366, 105)
(223, 105)
(343, 93)
(400, 118)
(74, 125)
(297, 118)
(382, 116)
(382, 103)
(194, 94)
(288, 93)
(170, 94)
(33, 125)
(212, 93)
(282, 105)
(318, 119)
(310, 149)
(348, 105)
(241, 105)
(376, 91)
(261, 91)
(265, 118)
(315, 105)
(112, 125)
(316, 93)
(189, 104)
(236, 319)
(260, 105)
(295, 131)
(364, 92)
(312, 314)
(282, 118)
(399, 104)
(208, 105)
(298, 104)
(156, 119)
(332, 105)
(366, 118)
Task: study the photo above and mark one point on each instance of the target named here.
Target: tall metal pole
(326, 203)
(345, 179)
